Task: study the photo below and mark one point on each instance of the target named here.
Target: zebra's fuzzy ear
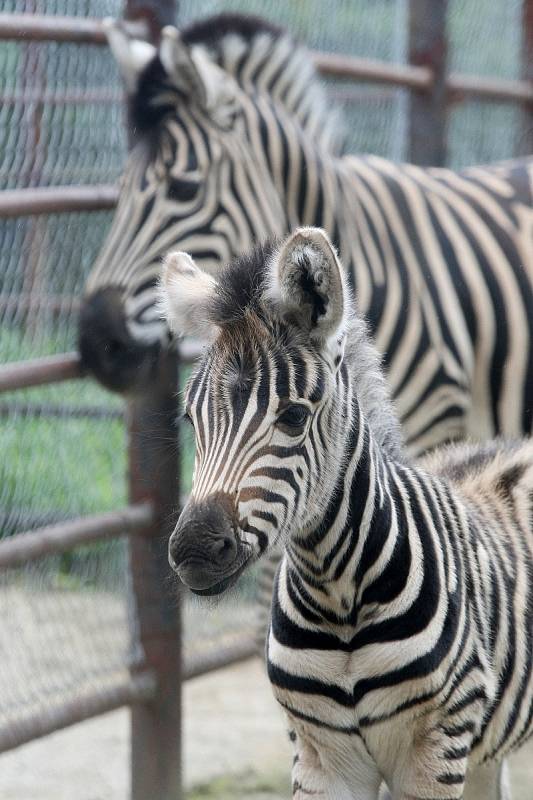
(308, 285)
(194, 73)
(184, 294)
(131, 55)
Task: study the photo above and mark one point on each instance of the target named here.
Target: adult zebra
(235, 144)
(401, 644)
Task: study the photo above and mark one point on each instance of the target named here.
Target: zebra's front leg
(308, 776)
(434, 765)
(311, 780)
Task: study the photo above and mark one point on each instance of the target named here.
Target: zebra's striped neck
(328, 571)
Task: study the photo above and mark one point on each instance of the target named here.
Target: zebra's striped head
(267, 401)
(205, 173)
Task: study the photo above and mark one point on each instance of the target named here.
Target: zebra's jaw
(224, 584)
(206, 549)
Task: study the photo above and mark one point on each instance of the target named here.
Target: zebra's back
(443, 262)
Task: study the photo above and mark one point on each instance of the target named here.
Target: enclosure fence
(151, 688)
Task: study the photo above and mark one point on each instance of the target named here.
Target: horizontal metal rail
(49, 97)
(40, 371)
(35, 27)
(57, 199)
(61, 411)
(26, 301)
(243, 648)
(67, 366)
(32, 545)
(373, 70)
(55, 28)
(137, 689)
(461, 87)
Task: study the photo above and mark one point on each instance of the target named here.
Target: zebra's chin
(223, 585)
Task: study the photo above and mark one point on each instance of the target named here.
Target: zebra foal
(401, 635)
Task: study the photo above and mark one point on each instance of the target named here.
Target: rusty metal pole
(524, 145)
(427, 113)
(154, 477)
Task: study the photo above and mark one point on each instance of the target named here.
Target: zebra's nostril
(112, 347)
(225, 548)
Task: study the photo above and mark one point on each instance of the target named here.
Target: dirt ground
(234, 747)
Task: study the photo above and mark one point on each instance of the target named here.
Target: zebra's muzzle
(205, 549)
(223, 585)
(107, 348)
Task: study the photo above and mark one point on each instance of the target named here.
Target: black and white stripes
(236, 145)
(401, 641)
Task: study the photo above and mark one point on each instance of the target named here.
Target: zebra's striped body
(236, 145)
(401, 643)
(417, 658)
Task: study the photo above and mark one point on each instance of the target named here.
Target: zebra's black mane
(241, 286)
(232, 41)
(212, 30)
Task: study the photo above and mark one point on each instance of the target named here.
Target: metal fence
(155, 665)
(152, 687)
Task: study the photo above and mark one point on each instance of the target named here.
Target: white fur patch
(195, 73)
(184, 292)
(221, 91)
(131, 55)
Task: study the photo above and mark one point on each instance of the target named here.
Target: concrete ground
(232, 727)
(234, 747)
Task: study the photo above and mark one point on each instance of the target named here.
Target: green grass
(57, 466)
(64, 466)
(247, 785)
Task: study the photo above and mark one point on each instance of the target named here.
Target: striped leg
(308, 777)
(434, 766)
(310, 781)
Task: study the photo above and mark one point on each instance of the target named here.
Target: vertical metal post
(154, 476)
(427, 113)
(33, 78)
(524, 145)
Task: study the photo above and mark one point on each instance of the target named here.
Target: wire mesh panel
(374, 117)
(66, 619)
(65, 629)
(484, 39)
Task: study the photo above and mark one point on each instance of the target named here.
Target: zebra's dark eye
(181, 189)
(293, 419)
